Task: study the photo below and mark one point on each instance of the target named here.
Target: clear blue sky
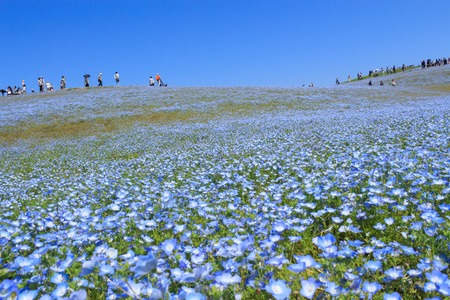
(215, 42)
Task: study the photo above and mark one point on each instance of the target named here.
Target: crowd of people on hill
(47, 86)
(378, 72)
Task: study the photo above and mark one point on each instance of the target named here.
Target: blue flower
(27, 295)
(226, 278)
(145, 265)
(373, 266)
(58, 278)
(168, 246)
(394, 273)
(88, 266)
(309, 288)
(79, 295)
(371, 287)
(297, 268)
(278, 289)
(437, 277)
(333, 289)
(60, 290)
(393, 296)
(324, 241)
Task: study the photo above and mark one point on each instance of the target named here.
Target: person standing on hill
(349, 78)
(86, 81)
(100, 82)
(63, 82)
(158, 79)
(116, 77)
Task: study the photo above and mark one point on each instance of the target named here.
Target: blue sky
(215, 42)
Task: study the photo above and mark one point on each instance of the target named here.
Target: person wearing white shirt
(116, 77)
(152, 81)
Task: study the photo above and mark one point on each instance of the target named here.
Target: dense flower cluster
(330, 202)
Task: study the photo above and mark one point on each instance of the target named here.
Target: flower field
(228, 193)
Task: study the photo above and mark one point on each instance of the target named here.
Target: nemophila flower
(429, 287)
(294, 238)
(389, 221)
(226, 279)
(438, 265)
(111, 253)
(414, 273)
(128, 255)
(430, 231)
(145, 265)
(88, 266)
(309, 288)
(333, 289)
(308, 260)
(337, 220)
(409, 250)
(195, 296)
(324, 241)
(60, 290)
(79, 295)
(58, 278)
(373, 266)
(371, 287)
(394, 273)
(27, 295)
(168, 246)
(329, 252)
(278, 289)
(437, 277)
(392, 296)
(277, 261)
(444, 289)
(297, 268)
(380, 226)
(105, 269)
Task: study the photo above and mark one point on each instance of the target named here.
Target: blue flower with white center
(389, 221)
(195, 296)
(437, 264)
(324, 241)
(371, 288)
(105, 269)
(145, 265)
(308, 260)
(60, 290)
(444, 289)
(297, 268)
(27, 295)
(394, 273)
(414, 273)
(58, 278)
(309, 288)
(373, 266)
(437, 277)
(111, 253)
(88, 266)
(380, 226)
(168, 246)
(226, 279)
(294, 238)
(429, 287)
(392, 296)
(278, 289)
(79, 295)
(430, 231)
(333, 289)
(277, 261)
